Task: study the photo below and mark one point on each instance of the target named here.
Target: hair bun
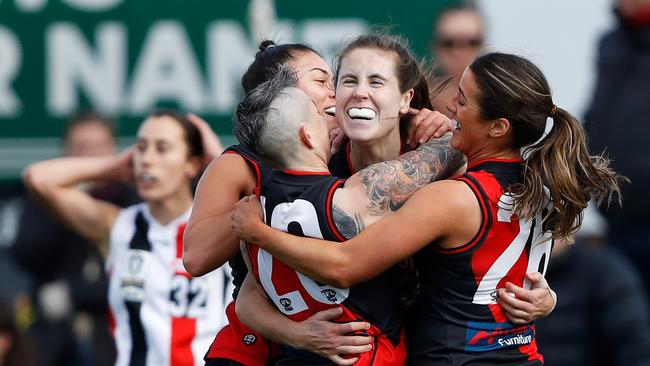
(266, 44)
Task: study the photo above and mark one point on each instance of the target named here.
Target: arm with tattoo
(387, 185)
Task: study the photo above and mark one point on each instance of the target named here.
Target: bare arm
(384, 187)
(209, 241)
(54, 183)
(416, 224)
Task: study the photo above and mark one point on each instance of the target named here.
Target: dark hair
(191, 132)
(514, 88)
(252, 113)
(408, 70)
(268, 59)
(83, 117)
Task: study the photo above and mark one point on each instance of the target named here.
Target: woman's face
(368, 99)
(315, 80)
(161, 161)
(473, 131)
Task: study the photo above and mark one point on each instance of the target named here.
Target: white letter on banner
(72, 66)
(10, 61)
(30, 6)
(93, 5)
(166, 70)
(229, 54)
(329, 34)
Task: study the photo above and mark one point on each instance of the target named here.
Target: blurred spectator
(458, 39)
(69, 293)
(14, 349)
(601, 317)
(617, 121)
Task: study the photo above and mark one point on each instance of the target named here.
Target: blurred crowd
(53, 300)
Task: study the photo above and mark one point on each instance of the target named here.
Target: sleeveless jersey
(301, 203)
(160, 314)
(237, 342)
(340, 165)
(261, 172)
(459, 321)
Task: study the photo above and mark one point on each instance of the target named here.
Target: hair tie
(552, 112)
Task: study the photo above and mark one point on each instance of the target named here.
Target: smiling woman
(475, 235)
(160, 312)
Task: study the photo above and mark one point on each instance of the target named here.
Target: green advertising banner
(126, 57)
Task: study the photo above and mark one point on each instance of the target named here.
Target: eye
(163, 148)
(349, 82)
(376, 82)
(141, 146)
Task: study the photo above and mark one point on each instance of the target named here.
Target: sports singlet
(160, 314)
(459, 321)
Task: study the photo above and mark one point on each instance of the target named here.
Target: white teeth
(331, 110)
(147, 178)
(362, 113)
(456, 124)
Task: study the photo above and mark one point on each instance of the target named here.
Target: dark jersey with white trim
(301, 203)
(459, 321)
(261, 171)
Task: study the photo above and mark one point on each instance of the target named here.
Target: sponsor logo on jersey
(481, 337)
(286, 303)
(249, 339)
(516, 340)
(330, 294)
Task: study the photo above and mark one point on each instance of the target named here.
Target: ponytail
(561, 163)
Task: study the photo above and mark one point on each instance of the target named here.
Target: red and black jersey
(301, 203)
(340, 165)
(236, 342)
(261, 171)
(459, 320)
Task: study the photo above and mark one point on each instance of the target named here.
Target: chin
(361, 133)
(147, 194)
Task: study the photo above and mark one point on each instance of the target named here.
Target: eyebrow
(372, 76)
(378, 76)
(319, 69)
(461, 92)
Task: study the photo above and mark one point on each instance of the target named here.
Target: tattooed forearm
(389, 184)
(347, 225)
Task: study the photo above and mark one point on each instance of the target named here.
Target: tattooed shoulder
(347, 225)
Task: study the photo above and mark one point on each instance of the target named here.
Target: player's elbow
(341, 274)
(195, 264)
(35, 180)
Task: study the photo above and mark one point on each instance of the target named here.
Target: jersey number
(188, 296)
(304, 214)
(540, 249)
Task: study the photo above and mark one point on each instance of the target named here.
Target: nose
(147, 156)
(360, 91)
(451, 106)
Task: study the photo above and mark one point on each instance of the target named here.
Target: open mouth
(331, 111)
(361, 113)
(146, 178)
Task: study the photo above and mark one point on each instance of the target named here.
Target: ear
(193, 166)
(405, 102)
(500, 127)
(305, 136)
